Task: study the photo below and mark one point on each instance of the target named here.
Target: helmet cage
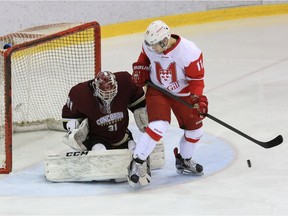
(105, 86)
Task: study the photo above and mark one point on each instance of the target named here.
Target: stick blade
(272, 143)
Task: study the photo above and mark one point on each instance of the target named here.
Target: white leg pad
(157, 156)
(87, 165)
(95, 165)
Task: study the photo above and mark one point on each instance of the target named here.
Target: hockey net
(36, 74)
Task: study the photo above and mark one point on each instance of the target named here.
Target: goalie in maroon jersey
(96, 113)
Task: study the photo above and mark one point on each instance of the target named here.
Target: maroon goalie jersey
(111, 127)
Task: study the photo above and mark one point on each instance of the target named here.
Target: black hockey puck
(249, 163)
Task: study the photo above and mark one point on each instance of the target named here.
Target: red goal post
(36, 74)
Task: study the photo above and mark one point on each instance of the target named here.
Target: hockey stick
(274, 142)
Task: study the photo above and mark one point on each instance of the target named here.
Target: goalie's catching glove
(200, 105)
(77, 134)
(141, 74)
(72, 125)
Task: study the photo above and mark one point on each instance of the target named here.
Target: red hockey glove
(201, 105)
(141, 74)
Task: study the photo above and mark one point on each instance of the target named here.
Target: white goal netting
(37, 72)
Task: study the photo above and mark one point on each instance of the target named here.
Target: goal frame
(8, 78)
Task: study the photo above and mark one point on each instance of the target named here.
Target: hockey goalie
(96, 117)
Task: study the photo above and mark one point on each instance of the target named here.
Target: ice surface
(246, 65)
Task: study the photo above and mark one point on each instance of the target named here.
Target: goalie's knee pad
(98, 147)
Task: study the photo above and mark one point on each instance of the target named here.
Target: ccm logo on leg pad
(71, 154)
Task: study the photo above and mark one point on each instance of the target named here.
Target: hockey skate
(187, 166)
(139, 172)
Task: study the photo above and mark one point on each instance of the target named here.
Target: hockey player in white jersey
(175, 64)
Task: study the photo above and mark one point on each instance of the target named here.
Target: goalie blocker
(95, 165)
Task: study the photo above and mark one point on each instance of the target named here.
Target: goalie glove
(78, 135)
(72, 125)
(141, 74)
(200, 105)
(141, 118)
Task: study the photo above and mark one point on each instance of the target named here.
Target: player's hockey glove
(141, 74)
(200, 105)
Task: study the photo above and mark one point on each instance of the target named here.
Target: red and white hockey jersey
(178, 70)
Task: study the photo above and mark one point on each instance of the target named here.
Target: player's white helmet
(156, 32)
(105, 86)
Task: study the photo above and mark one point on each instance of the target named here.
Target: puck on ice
(249, 163)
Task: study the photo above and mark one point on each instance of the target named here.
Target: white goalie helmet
(156, 32)
(105, 86)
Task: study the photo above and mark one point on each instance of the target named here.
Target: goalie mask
(105, 88)
(156, 33)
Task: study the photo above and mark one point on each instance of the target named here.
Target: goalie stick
(274, 142)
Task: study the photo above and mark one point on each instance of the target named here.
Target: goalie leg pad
(95, 165)
(87, 165)
(157, 157)
(141, 118)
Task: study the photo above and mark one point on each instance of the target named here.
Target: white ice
(247, 85)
